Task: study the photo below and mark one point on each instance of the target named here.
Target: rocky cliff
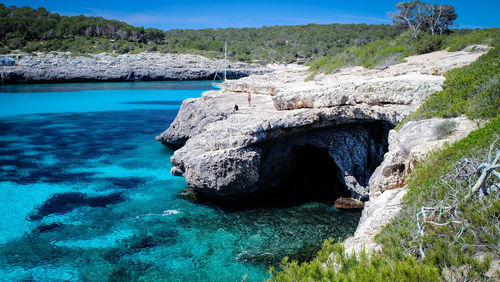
(407, 147)
(331, 132)
(63, 67)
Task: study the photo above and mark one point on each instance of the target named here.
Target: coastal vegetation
(30, 30)
(385, 52)
(446, 230)
(449, 226)
(472, 90)
(458, 243)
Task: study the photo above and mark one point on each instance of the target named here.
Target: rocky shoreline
(342, 120)
(63, 67)
(334, 132)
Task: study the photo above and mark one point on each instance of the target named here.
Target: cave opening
(307, 174)
(313, 175)
(318, 165)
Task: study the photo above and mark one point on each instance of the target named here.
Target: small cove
(86, 193)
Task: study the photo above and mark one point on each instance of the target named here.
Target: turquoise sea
(86, 194)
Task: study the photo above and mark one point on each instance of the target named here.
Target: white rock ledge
(347, 114)
(63, 67)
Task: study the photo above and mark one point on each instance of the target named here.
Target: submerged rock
(348, 203)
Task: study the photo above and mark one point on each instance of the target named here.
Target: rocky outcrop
(410, 145)
(64, 67)
(407, 147)
(295, 128)
(238, 152)
(406, 84)
(348, 203)
(377, 213)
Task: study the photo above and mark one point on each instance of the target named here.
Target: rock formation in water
(331, 132)
(348, 203)
(63, 67)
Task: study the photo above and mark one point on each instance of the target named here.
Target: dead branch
(446, 212)
(485, 169)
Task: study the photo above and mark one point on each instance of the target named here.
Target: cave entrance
(313, 175)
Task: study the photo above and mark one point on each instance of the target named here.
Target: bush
(489, 36)
(438, 180)
(123, 49)
(445, 128)
(332, 264)
(428, 43)
(16, 43)
(472, 90)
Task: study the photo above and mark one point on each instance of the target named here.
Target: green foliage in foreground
(332, 264)
(385, 52)
(436, 180)
(447, 255)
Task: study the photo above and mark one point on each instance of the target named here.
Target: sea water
(86, 194)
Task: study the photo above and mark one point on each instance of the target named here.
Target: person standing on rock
(249, 99)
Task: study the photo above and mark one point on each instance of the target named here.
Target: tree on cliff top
(439, 17)
(416, 15)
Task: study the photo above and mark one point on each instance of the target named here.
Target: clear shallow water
(86, 193)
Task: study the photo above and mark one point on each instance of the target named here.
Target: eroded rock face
(410, 145)
(377, 213)
(407, 147)
(232, 152)
(63, 67)
(345, 117)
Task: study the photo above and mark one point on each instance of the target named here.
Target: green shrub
(332, 264)
(445, 128)
(436, 180)
(489, 36)
(472, 90)
(16, 43)
(428, 43)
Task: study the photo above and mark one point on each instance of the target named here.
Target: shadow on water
(100, 222)
(66, 202)
(53, 144)
(281, 197)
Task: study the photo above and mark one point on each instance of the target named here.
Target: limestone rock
(234, 152)
(410, 145)
(377, 213)
(406, 83)
(407, 147)
(344, 116)
(348, 203)
(64, 67)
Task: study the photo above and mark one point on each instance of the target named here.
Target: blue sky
(168, 14)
